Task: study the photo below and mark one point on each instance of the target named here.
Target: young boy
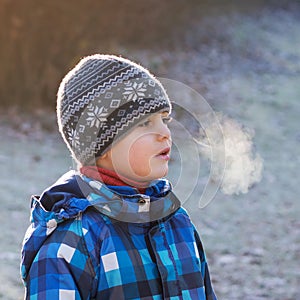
(113, 229)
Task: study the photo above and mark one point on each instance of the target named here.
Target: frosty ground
(252, 240)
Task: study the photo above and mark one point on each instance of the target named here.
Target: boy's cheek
(140, 166)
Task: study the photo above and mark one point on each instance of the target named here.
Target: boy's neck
(110, 177)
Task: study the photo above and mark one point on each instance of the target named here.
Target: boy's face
(143, 154)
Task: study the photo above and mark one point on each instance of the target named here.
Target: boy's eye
(148, 122)
(144, 123)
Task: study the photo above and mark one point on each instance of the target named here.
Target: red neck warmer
(110, 177)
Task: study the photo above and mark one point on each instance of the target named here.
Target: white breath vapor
(243, 167)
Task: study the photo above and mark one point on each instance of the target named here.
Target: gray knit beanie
(101, 99)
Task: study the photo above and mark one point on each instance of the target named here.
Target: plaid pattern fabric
(77, 252)
(129, 208)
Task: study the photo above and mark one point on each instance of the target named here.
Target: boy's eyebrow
(165, 112)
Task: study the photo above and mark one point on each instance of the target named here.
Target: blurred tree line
(41, 40)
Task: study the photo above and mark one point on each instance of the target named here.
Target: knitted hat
(101, 99)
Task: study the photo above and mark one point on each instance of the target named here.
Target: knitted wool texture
(100, 99)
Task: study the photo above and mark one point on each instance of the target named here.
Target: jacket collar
(73, 193)
(125, 204)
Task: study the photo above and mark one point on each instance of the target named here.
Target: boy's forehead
(156, 114)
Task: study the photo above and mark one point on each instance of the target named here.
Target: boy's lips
(165, 153)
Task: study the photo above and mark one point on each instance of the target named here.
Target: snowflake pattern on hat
(97, 115)
(134, 90)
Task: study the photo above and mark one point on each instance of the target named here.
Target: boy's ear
(103, 156)
(104, 160)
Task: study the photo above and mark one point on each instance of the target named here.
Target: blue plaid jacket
(87, 241)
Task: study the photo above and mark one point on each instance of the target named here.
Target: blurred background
(243, 57)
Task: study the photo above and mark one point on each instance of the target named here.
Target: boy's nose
(164, 132)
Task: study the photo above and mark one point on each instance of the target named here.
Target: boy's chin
(152, 177)
(160, 174)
